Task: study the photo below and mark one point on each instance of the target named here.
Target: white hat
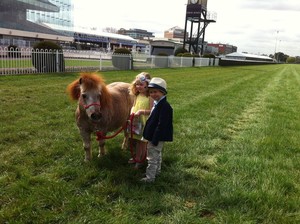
(158, 83)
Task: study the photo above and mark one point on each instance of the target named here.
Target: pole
(276, 44)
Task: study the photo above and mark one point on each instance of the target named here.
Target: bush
(122, 59)
(209, 56)
(47, 45)
(180, 51)
(47, 56)
(187, 54)
(122, 51)
(162, 54)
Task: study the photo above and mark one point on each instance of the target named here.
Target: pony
(101, 108)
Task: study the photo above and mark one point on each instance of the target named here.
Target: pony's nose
(96, 116)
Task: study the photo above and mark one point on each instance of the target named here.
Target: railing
(29, 61)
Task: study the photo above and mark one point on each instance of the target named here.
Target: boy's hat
(158, 83)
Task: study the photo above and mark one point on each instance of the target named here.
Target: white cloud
(251, 25)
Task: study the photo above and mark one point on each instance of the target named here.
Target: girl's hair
(140, 78)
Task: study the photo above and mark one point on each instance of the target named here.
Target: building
(174, 32)
(163, 47)
(136, 33)
(17, 29)
(25, 22)
(244, 59)
(102, 41)
(222, 49)
(62, 17)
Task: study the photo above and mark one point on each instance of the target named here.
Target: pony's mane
(91, 81)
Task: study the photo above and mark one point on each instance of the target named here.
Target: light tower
(198, 18)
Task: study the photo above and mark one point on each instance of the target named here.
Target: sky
(254, 26)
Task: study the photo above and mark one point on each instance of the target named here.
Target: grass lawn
(234, 159)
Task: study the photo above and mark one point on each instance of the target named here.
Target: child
(158, 128)
(141, 109)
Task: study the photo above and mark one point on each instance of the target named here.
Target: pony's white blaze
(91, 103)
(94, 112)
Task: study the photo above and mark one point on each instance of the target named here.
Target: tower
(197, 18)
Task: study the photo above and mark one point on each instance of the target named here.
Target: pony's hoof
(87, 160)
(101, 154)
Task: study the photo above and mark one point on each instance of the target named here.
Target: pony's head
(91, 93)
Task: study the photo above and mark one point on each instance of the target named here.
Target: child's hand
(138, 113)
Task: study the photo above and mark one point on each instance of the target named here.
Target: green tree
(291, 60)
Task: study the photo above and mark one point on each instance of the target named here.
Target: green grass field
(234, 159)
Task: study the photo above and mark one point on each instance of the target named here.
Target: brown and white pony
(102, 108)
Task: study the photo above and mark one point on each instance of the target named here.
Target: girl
(140, 110)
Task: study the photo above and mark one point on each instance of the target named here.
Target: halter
(89, 105)
(92, 104)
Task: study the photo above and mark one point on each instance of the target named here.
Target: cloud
(279, 5)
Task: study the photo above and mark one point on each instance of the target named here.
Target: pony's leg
(101, 148)
(125, 140)
(86, 137)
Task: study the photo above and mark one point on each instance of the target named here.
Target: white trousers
(154, 157)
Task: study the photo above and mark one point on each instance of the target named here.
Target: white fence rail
(29, 61)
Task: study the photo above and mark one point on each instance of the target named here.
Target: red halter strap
(92, 104)
(89, 105)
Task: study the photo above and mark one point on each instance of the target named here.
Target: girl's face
(155, 94)
(141, 87)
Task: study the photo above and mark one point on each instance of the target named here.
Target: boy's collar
(156, 102)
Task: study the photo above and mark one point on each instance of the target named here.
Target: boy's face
(155, 94)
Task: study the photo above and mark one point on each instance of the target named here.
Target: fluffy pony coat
(100, 107)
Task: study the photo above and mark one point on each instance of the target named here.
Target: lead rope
(101, 136)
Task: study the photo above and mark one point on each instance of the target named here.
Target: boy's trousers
(154, 157)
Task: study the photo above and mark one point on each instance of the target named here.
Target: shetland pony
(101, 108)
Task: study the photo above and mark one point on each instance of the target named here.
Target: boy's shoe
(131, 161)
(147, 180)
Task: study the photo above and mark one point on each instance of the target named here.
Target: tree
(110, 30)
(281, 57)
(291, 60)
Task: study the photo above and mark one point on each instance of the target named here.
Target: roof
(244, 55)
(93, 32)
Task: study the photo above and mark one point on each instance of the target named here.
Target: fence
(29, 61)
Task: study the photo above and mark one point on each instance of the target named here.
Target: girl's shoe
(131, 161)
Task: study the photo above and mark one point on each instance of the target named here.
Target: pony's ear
(105, 99)
(74, 89)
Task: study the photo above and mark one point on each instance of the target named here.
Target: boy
(158, 128)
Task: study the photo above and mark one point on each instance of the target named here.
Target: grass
(234, 159)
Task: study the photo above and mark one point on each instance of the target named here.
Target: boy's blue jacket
(159, 126)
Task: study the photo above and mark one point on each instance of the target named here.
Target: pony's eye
(84, 96)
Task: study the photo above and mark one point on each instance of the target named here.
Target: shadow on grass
(114, 166)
